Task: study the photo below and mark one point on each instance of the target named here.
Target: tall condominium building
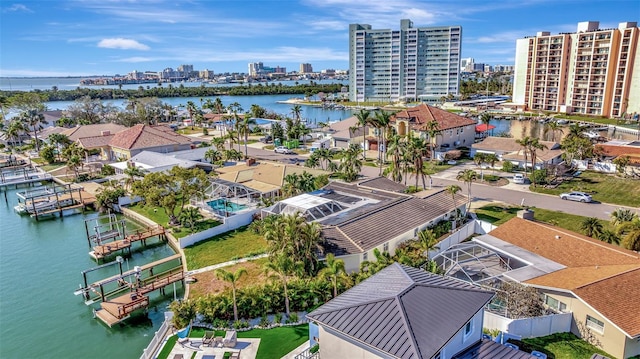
(409, 64)
(592, 71)
(306, 68)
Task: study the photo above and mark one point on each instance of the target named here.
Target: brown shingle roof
(95, 141)
(75, 133)
(145, 136)
(571, 249)
(617, 298)
(507, 144)
(422, 114)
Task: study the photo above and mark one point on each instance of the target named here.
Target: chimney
(525, 214)
(105, 133)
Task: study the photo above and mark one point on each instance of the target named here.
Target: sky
(109, 37)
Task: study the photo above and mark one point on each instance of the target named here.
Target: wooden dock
(115, 310)
(103, 250)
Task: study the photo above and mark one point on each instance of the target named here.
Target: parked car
(266, 139)
(519, 178)
(576, 196)
(283, 149)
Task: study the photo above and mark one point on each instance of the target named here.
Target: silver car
(576, 196)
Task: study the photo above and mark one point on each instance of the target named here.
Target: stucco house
(507, 149)
(128, 143)
(405, 312)
(595, 281)
(455, 130)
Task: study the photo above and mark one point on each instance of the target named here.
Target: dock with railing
(53, 199)
(103, 250)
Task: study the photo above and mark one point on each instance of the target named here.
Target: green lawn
(159, 216)
(498, 214)
(277, 342)
(224, 247)
(560, 346)
(602, 187)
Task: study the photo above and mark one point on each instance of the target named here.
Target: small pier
(52, 200)
(20, 175)
(11, 161)
(111, 237)
(123, 294)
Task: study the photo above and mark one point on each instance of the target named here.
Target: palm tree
(334, 269)
(609, 236)
(631, 232)
(192, 109)
(363, 120)
(35, 119)
(467, 176)
(74, 163)
(524, 143)
(350, 165)
(233, 279)
(433, 130)
(453, 190)
(485, 118)
(14, 130)
(622, 215)
(132, 172)
(189, 216)
(416, 148)
(382, 122)
(213, 155)
(491, 159)
(554, 127)
(428, 241)
(396, 148)
(283, 267)
(591, 226)
(296, 111)
(534, 146)
(234, 108)
(245, 128)
(576, 130)
(59, 139)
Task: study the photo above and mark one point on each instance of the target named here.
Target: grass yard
(497, 214)
(208, 283)
(158, 215)
(602, 187)
(560, 346)
(277, 342)
(227, 246)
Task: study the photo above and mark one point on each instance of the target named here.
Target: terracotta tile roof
(145, 136)
(617, 298)
(95, 141)
(422, 114)
(574, 277)
(614, 151)
(571, 249)
(77, 132)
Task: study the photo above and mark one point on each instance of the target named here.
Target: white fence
(159, 337)
(230, 223)
(462, 233)
(529, 327)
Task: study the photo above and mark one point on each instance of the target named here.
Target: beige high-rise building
(592, 71)
(306, 68)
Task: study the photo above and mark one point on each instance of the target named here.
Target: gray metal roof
(383, 184)
(370, 227)
(488, 349)
(403, 311)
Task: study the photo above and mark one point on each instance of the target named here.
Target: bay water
(40, 267)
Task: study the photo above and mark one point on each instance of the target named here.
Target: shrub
(507, 166)
(314, 349)
(107, 171)
(278, 318)
(293, 318)
(412, 189)
(205, 131)
(264, 321)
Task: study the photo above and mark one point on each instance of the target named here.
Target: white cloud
(121, 43)
(39, 73)
(17, 8)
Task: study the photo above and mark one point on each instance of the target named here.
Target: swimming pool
(222, 204)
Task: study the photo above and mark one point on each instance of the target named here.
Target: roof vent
(557, 236)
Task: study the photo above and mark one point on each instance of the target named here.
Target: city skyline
(82, 38)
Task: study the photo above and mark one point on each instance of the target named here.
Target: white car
(519, 178)
(283, 149)
(576, 196)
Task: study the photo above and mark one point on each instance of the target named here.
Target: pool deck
(248, 348)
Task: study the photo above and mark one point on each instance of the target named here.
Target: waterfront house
(455, 130)
(405, 312)
(507, 149)
(344, 133)
(94, 137)
(128, 143)
(595, 281)
(157, 162)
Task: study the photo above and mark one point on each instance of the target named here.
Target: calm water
(40, 267)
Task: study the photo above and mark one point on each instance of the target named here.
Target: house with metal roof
(405, 312)
(597, 282)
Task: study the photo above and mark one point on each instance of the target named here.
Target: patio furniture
(217, 342)
(235, 355)
(178, 356)
(512, 346)
(538, 354)
(230, 339)
(208, 338)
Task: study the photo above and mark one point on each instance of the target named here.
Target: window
(595, 324)
(385, 247)
(467, 328)
(555, 304)
(365, 256)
